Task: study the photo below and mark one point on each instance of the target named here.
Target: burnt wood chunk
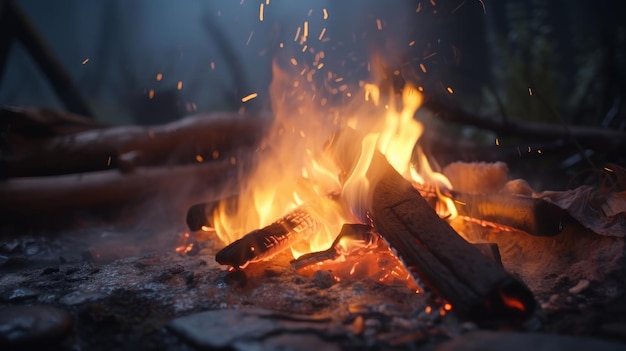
(478, 288)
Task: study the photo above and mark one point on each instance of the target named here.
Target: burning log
(534, 216)
(189, 140)
(264, 243)
(531, 215)
(433, 252)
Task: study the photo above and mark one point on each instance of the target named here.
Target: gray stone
(509, 341)
(248, 328)
(20, 294)
(78, 297)
(28, 326)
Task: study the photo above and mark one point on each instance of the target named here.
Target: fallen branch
(588, 136)
(189, 140)
(38, 196)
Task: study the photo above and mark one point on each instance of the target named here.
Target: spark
(449, 89)
(325, 13)
(109, 161)
(159, 76)
(297, 34)
(199, 158)
(151, 94)
(179, 86)
(530, 91)
(447, 307)
(306, 30)
(433, 2)
(304, 48)
(309, 13)
(215, 154)
(233, 160)
(322, 34)
(412, 42)
(249, 38)
(294, 61)
(353, 269)
(267, 2)
(428, 309)
(538, 151)
(249, 97)
(281, 45)
(497, 142)
(205, 228)
(419, 8)
(529, 149)
(379, 24)
(608, 169)
(261, 10)
(86, 60)
(423, 67)
(213, 65)
(458, 7)
(320, 66)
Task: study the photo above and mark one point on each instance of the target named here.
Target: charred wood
(264, 243)
(478, 288)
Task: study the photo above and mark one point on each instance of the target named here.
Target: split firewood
(192, 139)
(432, 251)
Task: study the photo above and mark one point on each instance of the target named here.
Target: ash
(129, 289)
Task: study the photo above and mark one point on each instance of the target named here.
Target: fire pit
(322, 222)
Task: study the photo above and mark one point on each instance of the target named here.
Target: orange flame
(294, 171)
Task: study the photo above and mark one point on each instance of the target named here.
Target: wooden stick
(204, 137)
(477, 287)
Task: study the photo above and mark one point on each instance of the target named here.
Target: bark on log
(179, 142)
(36, 196)
(477, 287)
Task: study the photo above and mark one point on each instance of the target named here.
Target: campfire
(326, 194)
(325, 220)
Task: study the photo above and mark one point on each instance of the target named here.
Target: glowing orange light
(159, 76)
(199, 158)
(151, 94)
(179, 86)
(249, 97)
(322, 34)
(261, 8)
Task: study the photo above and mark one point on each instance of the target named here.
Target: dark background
(570, 53)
